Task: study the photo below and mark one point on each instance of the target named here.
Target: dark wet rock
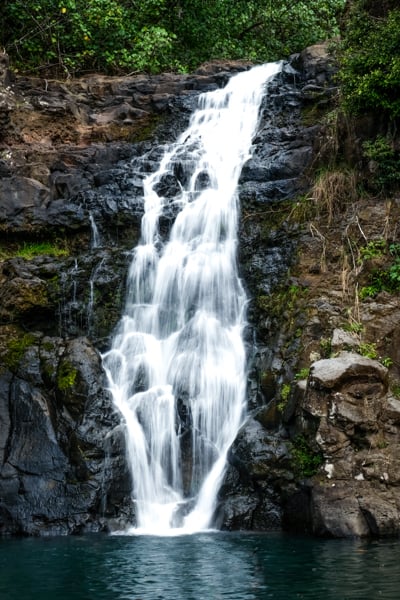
(72, 143)
(316, 65)
(79, 152)
(62, 448)
(262, 473)
(348, 413)
(259, 464)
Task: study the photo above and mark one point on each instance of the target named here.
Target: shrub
(73, 36)
(384, 163)
(306, 461)
(385, 277)
(370, 61)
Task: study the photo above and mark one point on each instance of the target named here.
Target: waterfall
(95, 235)
(176, 368)
(90, 305)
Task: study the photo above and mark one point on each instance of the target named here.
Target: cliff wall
(316, 455)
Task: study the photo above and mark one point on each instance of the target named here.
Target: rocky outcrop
(333, 470)
(61, 444)
(353, 419)
(65, 143)
(316, 455)
(303, 310)
(73, 158)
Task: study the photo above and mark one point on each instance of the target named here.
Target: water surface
(199, 567)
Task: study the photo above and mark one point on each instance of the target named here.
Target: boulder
(347, 411)
(63, 468)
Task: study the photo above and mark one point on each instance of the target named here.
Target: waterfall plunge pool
(236, 566)
(172, 322)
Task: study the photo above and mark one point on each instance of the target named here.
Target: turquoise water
(207, 566)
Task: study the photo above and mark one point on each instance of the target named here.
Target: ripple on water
(218, 566)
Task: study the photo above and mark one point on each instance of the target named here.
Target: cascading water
(177, 364)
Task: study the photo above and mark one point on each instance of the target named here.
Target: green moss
(16, 348)
(263, 302)
(302, 211)
(285, 393)
(147, 130)
(286, 298)
(47, 346)
(66, 375)
(312, 113)
(29, 250)
(48, 371)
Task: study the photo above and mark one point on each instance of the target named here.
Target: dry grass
(333, 191)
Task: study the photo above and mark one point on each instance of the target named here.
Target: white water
(90, 305)
(95, 235)
(178, 349)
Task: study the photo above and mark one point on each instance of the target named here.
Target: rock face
(333, 471)
(316, 455)
(73, 156)
(354, 420)
(61, 444)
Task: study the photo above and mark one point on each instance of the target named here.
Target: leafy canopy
(370, 58)
(74, 36)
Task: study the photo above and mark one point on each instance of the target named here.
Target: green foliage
(66, 376)
(285, 393)
(287, 297)
(368, 350)
(395, 389)
(387, 276)
(253, 29)
(369, 291)
(353, 327)
(78, 35)
(29, 250)
(325, 345)
(303, 373)
(73, 36)
(385, 163)
(386, 361)
(153, 49)
(303, 210)
(370, 61)
(306, 460)
(394, 269)
(373, 249)
(16, 348)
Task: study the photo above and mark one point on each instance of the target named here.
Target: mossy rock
(66, 376)
(13, 345)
